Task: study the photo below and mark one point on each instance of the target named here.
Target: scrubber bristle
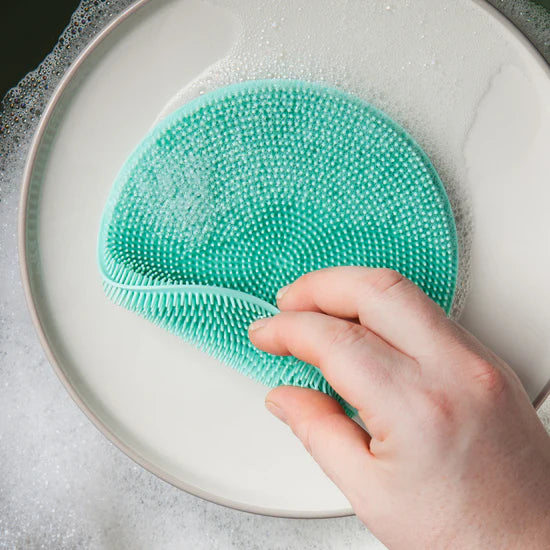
(241, 191)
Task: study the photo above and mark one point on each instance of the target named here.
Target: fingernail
(257, 325)
(274, 409)
(282, 292)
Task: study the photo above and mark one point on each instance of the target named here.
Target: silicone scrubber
(244, 189)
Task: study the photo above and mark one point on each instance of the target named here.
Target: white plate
(179, 413)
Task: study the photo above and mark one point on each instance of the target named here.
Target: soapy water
(45, 500)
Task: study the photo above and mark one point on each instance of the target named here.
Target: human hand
(456, 457)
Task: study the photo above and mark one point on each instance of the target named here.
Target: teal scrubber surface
(244, 189)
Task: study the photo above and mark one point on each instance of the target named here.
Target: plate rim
(40, 326)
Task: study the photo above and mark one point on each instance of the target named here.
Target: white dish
(177, 412)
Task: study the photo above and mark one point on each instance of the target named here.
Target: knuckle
(351, 344)
(386, 279)
(387, 283)
(345, 336)
(488, 377)
(434, 321)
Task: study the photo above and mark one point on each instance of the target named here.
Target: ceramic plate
(174, 410)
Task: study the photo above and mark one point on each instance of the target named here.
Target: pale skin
(456, 456)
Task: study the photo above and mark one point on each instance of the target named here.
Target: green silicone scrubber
(244, 189)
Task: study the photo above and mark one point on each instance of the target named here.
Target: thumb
(338, 444)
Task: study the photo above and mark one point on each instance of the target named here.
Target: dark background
(30, 29)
